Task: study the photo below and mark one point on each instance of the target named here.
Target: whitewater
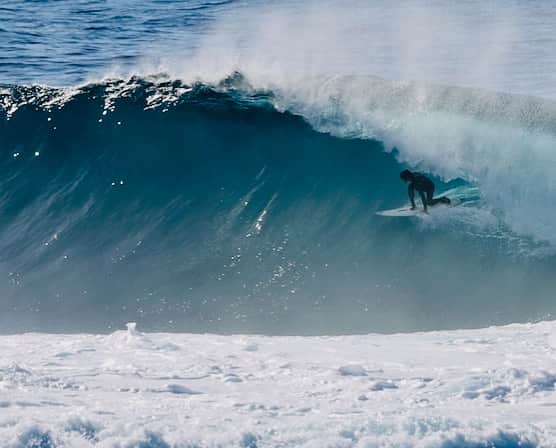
(475, 388)
(190, 254)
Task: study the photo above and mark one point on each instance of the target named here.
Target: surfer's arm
(411, 194)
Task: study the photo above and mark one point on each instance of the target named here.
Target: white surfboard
(406, 211)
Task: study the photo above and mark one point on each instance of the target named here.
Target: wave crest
(219, 208)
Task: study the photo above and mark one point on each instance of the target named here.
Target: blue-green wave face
(197, 208)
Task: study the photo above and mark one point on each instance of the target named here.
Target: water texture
(217, 166)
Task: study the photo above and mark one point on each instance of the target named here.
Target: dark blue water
(196, 198)
(67, 42)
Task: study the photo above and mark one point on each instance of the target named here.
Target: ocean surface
(216, 166)
(207, 173)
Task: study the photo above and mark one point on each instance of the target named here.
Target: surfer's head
(406, 176)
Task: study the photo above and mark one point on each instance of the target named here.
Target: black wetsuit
(425, 187)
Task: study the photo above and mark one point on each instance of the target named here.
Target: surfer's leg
(442, 200)
(434, 201)
(430, 194)
(424, 199)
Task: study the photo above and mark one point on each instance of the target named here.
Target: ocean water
(207, 173)
(216, 166)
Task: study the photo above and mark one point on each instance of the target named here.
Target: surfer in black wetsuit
(424, 186)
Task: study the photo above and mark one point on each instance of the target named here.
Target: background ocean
(216, 166)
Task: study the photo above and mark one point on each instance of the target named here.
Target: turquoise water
(216, 166)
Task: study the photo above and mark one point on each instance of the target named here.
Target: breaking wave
(241, 207)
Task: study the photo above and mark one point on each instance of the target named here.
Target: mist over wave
(195, 207)
(511, 47)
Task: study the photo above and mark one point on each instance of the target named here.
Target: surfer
(424, 186)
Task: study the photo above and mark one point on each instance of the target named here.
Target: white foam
(486, 387)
